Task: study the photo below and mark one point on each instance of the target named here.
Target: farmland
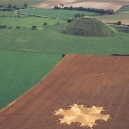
(22, 70)
(76, 79)
(55, 13)
(49, 40)
(123, 17)
(27, 22)
(105, 4)
(47, 43)
(124, 8)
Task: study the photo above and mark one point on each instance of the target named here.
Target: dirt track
(105, 4)
(76, 79)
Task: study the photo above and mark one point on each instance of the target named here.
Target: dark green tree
(25, 5)
(9, 6)
(34, 27)
(18, 27)
(119, 23)
(45, 23)
(56, 7)
(69, 20)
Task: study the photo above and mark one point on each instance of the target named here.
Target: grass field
(19, 2)
(124, 8)
(121, 28)
(28, 22)
(124, 18)
(19, 71)
(50, 40)
(7, 14)
(56, 13)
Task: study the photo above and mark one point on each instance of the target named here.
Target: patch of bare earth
(105, 4)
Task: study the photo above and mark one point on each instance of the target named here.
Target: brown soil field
(105, 4)
(101, 81)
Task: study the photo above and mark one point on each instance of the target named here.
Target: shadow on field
(120, 55)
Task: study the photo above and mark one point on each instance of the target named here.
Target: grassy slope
(19, 2)
(27, 22)
(21, 70)
(55, 13)
(124, 8)
(115, 18)
(51, 41)
(121, 28)
(87, 26)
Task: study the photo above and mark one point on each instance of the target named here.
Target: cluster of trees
(116, 23)
(3, 26)
(12, 7)
(70, 20)
(18, 16)
(34, 27)
(100, 11)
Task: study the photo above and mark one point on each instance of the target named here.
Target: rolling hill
(87, 26)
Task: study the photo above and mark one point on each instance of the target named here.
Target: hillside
(87, 26)
(124, 8)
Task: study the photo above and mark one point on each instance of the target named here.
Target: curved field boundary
(76, 79)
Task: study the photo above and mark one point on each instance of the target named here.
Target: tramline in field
(76, 85)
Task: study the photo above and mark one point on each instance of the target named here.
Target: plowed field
(105, 4)
(102, 81)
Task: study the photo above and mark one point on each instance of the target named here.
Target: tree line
(100, 11)
(11, 7)
(34, 27)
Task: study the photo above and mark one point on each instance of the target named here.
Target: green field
(123, 17)
(124, 8)
(56, 13)
(7, 14)
(121, 28)
(50, 40)
(19, 71)
(19, 2)
(27, 22)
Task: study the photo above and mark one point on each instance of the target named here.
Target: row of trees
(12, 7)
(5, 27)
(101, 11)
(35, 27)
(18, 27)
(116, 23)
